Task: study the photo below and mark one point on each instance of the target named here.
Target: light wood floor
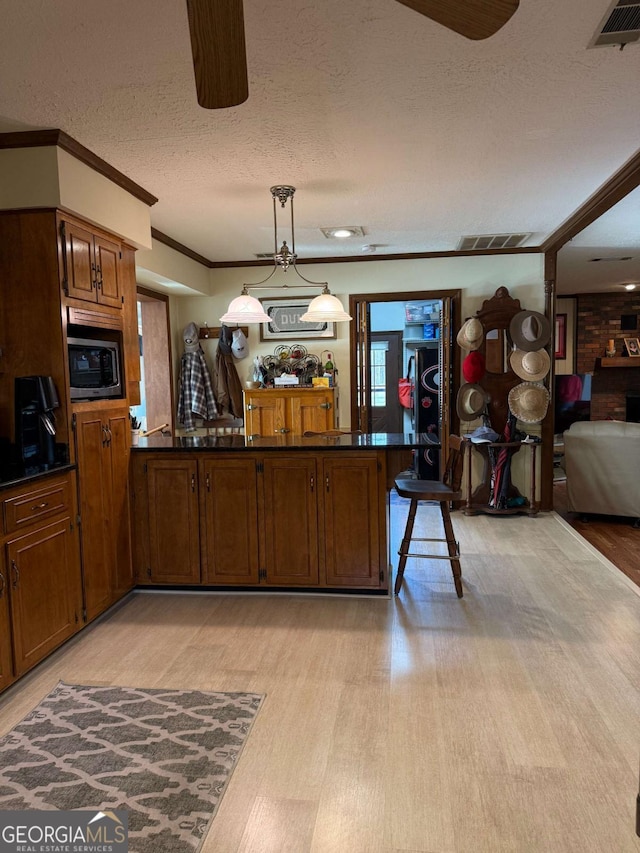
(505, 721)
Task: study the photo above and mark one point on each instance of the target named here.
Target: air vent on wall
(492, 241)
(620, 25)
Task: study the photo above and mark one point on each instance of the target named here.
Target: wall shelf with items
(621, 361)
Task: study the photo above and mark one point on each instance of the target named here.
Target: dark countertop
(368, 441)
(29, 479)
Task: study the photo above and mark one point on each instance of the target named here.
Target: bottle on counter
(329, 370)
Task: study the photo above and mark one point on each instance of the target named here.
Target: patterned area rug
(165, 756)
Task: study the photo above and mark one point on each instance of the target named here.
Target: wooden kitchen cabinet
(173, 522)
(6, 662)
(352, 495)
(229, 500)
(102, 451)
(290, 528)
(268, 411)
(43, 592)
(91, 263)
(272, 519)
(40, 581)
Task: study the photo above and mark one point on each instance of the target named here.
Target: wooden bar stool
(443, 492)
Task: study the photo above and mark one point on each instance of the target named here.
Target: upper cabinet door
(80, 264)
(91, 266)
(109, 287)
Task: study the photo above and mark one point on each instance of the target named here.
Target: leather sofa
(602, 463)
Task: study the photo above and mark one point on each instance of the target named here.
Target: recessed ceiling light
(630, 287)
(342, 232)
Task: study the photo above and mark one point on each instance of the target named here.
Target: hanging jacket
(196, 390)
(228, 387)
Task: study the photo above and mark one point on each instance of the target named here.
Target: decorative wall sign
(285, 325)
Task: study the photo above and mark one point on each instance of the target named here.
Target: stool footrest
(456, 556)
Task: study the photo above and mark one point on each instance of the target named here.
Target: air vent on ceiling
(620, 25)
(492, 241)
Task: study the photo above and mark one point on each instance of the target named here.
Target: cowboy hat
(529, 401)
(471, 335)
(530, 330)
(473, 367)
(471, 401)
(531, 366)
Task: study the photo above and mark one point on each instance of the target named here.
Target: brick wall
(598, 320)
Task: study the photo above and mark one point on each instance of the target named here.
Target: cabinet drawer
(21, 510)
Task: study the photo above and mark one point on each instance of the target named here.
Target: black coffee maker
(36, 398)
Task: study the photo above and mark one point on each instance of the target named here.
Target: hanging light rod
(247, 309)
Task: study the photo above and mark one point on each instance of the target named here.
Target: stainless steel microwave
(95, 369)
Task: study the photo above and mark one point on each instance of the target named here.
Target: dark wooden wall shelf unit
(495, 315)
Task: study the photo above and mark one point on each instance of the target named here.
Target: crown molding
(56, 137)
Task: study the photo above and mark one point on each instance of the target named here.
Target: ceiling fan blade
(219, 55)
(474, 19)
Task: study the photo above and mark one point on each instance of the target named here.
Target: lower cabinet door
(351, 522)
(44, 581)
(312, 410)
(6, 662)
(94, 488)
(230, 542)
(290, 521)
(174, 527)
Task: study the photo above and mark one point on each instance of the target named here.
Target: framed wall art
(285, 323)
(561, 336)
(633, 347)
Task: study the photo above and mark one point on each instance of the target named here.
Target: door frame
(359, 352)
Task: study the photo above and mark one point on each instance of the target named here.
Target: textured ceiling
(379, 117)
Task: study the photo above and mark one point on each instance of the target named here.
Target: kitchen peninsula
(285, 512)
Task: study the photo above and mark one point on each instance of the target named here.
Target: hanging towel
(196, 388)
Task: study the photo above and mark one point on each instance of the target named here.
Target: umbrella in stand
(509, 430)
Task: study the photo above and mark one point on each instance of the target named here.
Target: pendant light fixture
(245, 308)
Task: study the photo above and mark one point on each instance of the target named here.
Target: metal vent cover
(620, 25)
(492, 241)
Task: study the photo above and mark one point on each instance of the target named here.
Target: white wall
(47, 176)
(477, 278)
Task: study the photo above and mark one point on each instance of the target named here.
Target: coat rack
(208, 332)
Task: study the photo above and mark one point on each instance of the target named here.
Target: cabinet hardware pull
(39, 506)
(2, 586)
(251, 407)
(104, 436)
(325, 405)
(208, 483)
(312, 482)
(193, 482)
(16, 574)
(327, 482)
(283, 430)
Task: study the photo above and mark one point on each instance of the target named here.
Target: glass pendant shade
(245, 309)
(325, 309)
